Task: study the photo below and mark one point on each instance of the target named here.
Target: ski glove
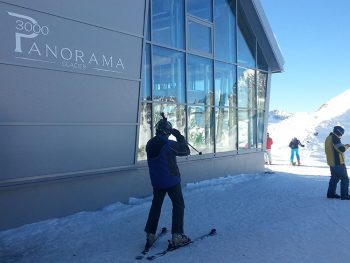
(176, 133)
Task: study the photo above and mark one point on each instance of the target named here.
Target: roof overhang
(263, 32)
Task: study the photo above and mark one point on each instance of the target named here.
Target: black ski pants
(339, 172)
(175, 194)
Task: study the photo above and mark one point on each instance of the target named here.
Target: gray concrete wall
(31, 202)
(70, 82)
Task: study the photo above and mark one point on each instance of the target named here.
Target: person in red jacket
(269, 142)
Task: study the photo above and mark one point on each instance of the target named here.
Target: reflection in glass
(201, 128)
(145, 132)
(226, 129)
(199, 37)
(246, 42)
(261, 61)
(146, 82)
(168, 75)
(225, 85)
(175, 113)
(200, 8)
(243, 129)
(260, 129)
(148, 26)
(252, 129)
(246, 88)
(261, 89)
(168, 22)
(199, 80)
(225, 30)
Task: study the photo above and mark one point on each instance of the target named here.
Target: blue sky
(314, 37)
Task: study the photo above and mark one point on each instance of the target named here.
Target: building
(83, 83)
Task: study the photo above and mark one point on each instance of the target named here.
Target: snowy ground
(280, 217)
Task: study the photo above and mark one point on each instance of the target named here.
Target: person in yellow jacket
(335, 159)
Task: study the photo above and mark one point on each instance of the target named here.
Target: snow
(279, 217)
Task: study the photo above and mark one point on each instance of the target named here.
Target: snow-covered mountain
(312, 128)
(278, 115)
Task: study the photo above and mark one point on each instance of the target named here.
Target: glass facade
(203, 68)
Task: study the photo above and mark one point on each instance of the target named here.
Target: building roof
(265, 37)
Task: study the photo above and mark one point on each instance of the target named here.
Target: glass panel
(252, 129)
(246, 42)
(168, 75)
(201, 128)
(262, 64)
(226, 129)
(246, 88)
(225, 85)
(168, 22)
(261, 89)
(145, 132)
(148, 29)
(146, 77)
(175, 113)
(199, 80)
(260, 131)
(225, 30)
(243, 129)
(199, 37)
(200, 8)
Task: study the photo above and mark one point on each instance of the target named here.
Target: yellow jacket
(334, 150)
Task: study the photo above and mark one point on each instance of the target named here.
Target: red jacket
(269, 142)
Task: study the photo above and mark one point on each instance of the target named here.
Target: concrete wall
(30, 202)
(70, 86)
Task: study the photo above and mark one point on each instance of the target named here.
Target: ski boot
(179, 240)
(150, 239)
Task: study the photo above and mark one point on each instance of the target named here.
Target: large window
(226, 129)
(199, 80)
(168, 22)
(201, 8)
(199, 37)
(146, 84)
(225, 85)
(168, 75)
(246, 42)
(201, 128)
(261, 89)
(205, 70)
(225, 30)
(246, 88)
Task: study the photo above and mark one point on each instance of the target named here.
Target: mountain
(312, 128)
(278, 115)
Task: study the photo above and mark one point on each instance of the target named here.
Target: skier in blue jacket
(294, 145)
(165, 178)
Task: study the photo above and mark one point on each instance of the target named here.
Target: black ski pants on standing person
(339, 172)
(175, 194)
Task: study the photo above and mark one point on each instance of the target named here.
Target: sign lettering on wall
(42, 40)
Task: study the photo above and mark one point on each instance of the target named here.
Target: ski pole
(200, 153)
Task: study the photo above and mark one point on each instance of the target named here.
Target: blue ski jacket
(161, 158)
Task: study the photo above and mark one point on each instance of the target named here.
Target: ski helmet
(163, 126)
(338, 130)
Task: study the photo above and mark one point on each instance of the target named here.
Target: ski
(171, 247)
(144, 252)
